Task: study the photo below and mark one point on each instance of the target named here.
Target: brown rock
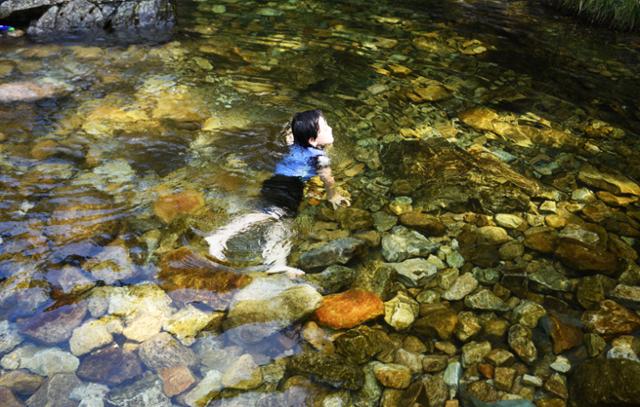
(429, 93)
(551, 403)
(615, 200)
(483, 391)
(7, 399)
(428, 390)
(564, 336)
(611, 319)
(44, 149)
(24, 91)
(614, 183)
(503, 378)
(480, 118)
(168, 207)
(392, 375)
(541, 239)
(176, 380)
(190, 277)
(557, 384)
(486, 370)
(440, 321)
(21, 382)
(111, 365)
(349, 309)
(427, 224)
(589, 259)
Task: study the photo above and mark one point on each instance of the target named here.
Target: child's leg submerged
(277, 248)
(218, 240)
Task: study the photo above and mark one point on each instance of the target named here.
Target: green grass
(619, 14)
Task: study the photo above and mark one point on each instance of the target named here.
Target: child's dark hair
(305, 125)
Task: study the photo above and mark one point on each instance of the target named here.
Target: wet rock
(414, 272)
(332, 279)
(7, 399)
(55, 326)
(483, 391)
(474, 352)
(624, 347)
(111, 365)
(403, 243)
(145, 392)
(485, 300)
(392, 375)
(93, 334)
(587, 259)
(614, 183)
(21, 382)
(503, 378)
(244, 374)
(434, 363)
(329, 369)
(42, 361)
(112, 264)
(561, 364)
(463, 286)
(528, 313)
(437, 320)
(375, 277)
(429, 225)
(557, 384)
(509, 221)
(27, 91)
(371, 390)
(401, 311)
(563, 335)
(9, 337)
(162, 351)
(429, 93)
(455, 177)
(254, 320)
(349, 309)
(468, 325)
(70, 280)
(541, 239)
(595, 344)
(500, 357)
(190, 277)
(188, 321)
(354, 218)
(511, 250)
(212, 354)
(339, 251)
(610, 382)
(611, 318)
(56, 391)
(360, 344)
(90, 394)
(200, 394)
(169, 207)
(592, 290)
(550, 279)
(317, 337)
(428, 390)
(627, 295)
(520, 340)
(176, 380)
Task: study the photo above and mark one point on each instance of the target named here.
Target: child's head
(310, 129)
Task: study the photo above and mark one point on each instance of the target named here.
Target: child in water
(283, 192)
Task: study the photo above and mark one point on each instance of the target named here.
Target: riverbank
(621, 15)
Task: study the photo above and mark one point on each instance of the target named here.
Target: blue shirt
(302, 162)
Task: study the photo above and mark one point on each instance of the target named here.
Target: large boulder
(605, 382)
(95, 16)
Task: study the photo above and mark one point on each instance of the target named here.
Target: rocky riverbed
(489, 257)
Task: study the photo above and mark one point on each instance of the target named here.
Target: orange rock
(564, 336)
(168, 207)
(349, 309)
(176, 380)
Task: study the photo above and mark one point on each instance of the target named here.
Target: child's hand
(338, 200)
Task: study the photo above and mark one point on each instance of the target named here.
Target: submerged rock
(349, 309)
(608, 382)
(401, 311)
(55, 326)
(30, 91)
(162, 351)
(403, 243)
(112, 264)
(330, 369)
(414, 272)
(332, 279)
(339, 251)
(611, 319)
(250, 320)
(145, 392)
(56, 391)
(360, 344)
(111, 365)
(169, 207)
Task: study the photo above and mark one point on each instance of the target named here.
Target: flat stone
(9, 337)
(145, 392)
(474, 352)
(392, 375)
(162, 351)
(349, 309)
(402, 243)
(401, 311)
(550, 279)
(611, 318)
(520, 340)
(21, 382)
(423, 223)
(414, 272)
(56, 391)
(55, 326)
(485, 300)
(509, 221)
(614, 183)
(176, 380)
(26, 91)
(339, 251)
(111, 365)
(530, 380)
(200, 394)
(244, 374)
(329, 369)
(255, 319)
(463, 286)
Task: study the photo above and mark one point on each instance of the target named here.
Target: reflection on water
(115, 159)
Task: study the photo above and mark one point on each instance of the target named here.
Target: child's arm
(329, 184)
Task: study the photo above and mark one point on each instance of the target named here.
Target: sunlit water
(129, 123)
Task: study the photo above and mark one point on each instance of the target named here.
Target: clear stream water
(128, 123)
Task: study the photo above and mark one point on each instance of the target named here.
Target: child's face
(325, 134)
